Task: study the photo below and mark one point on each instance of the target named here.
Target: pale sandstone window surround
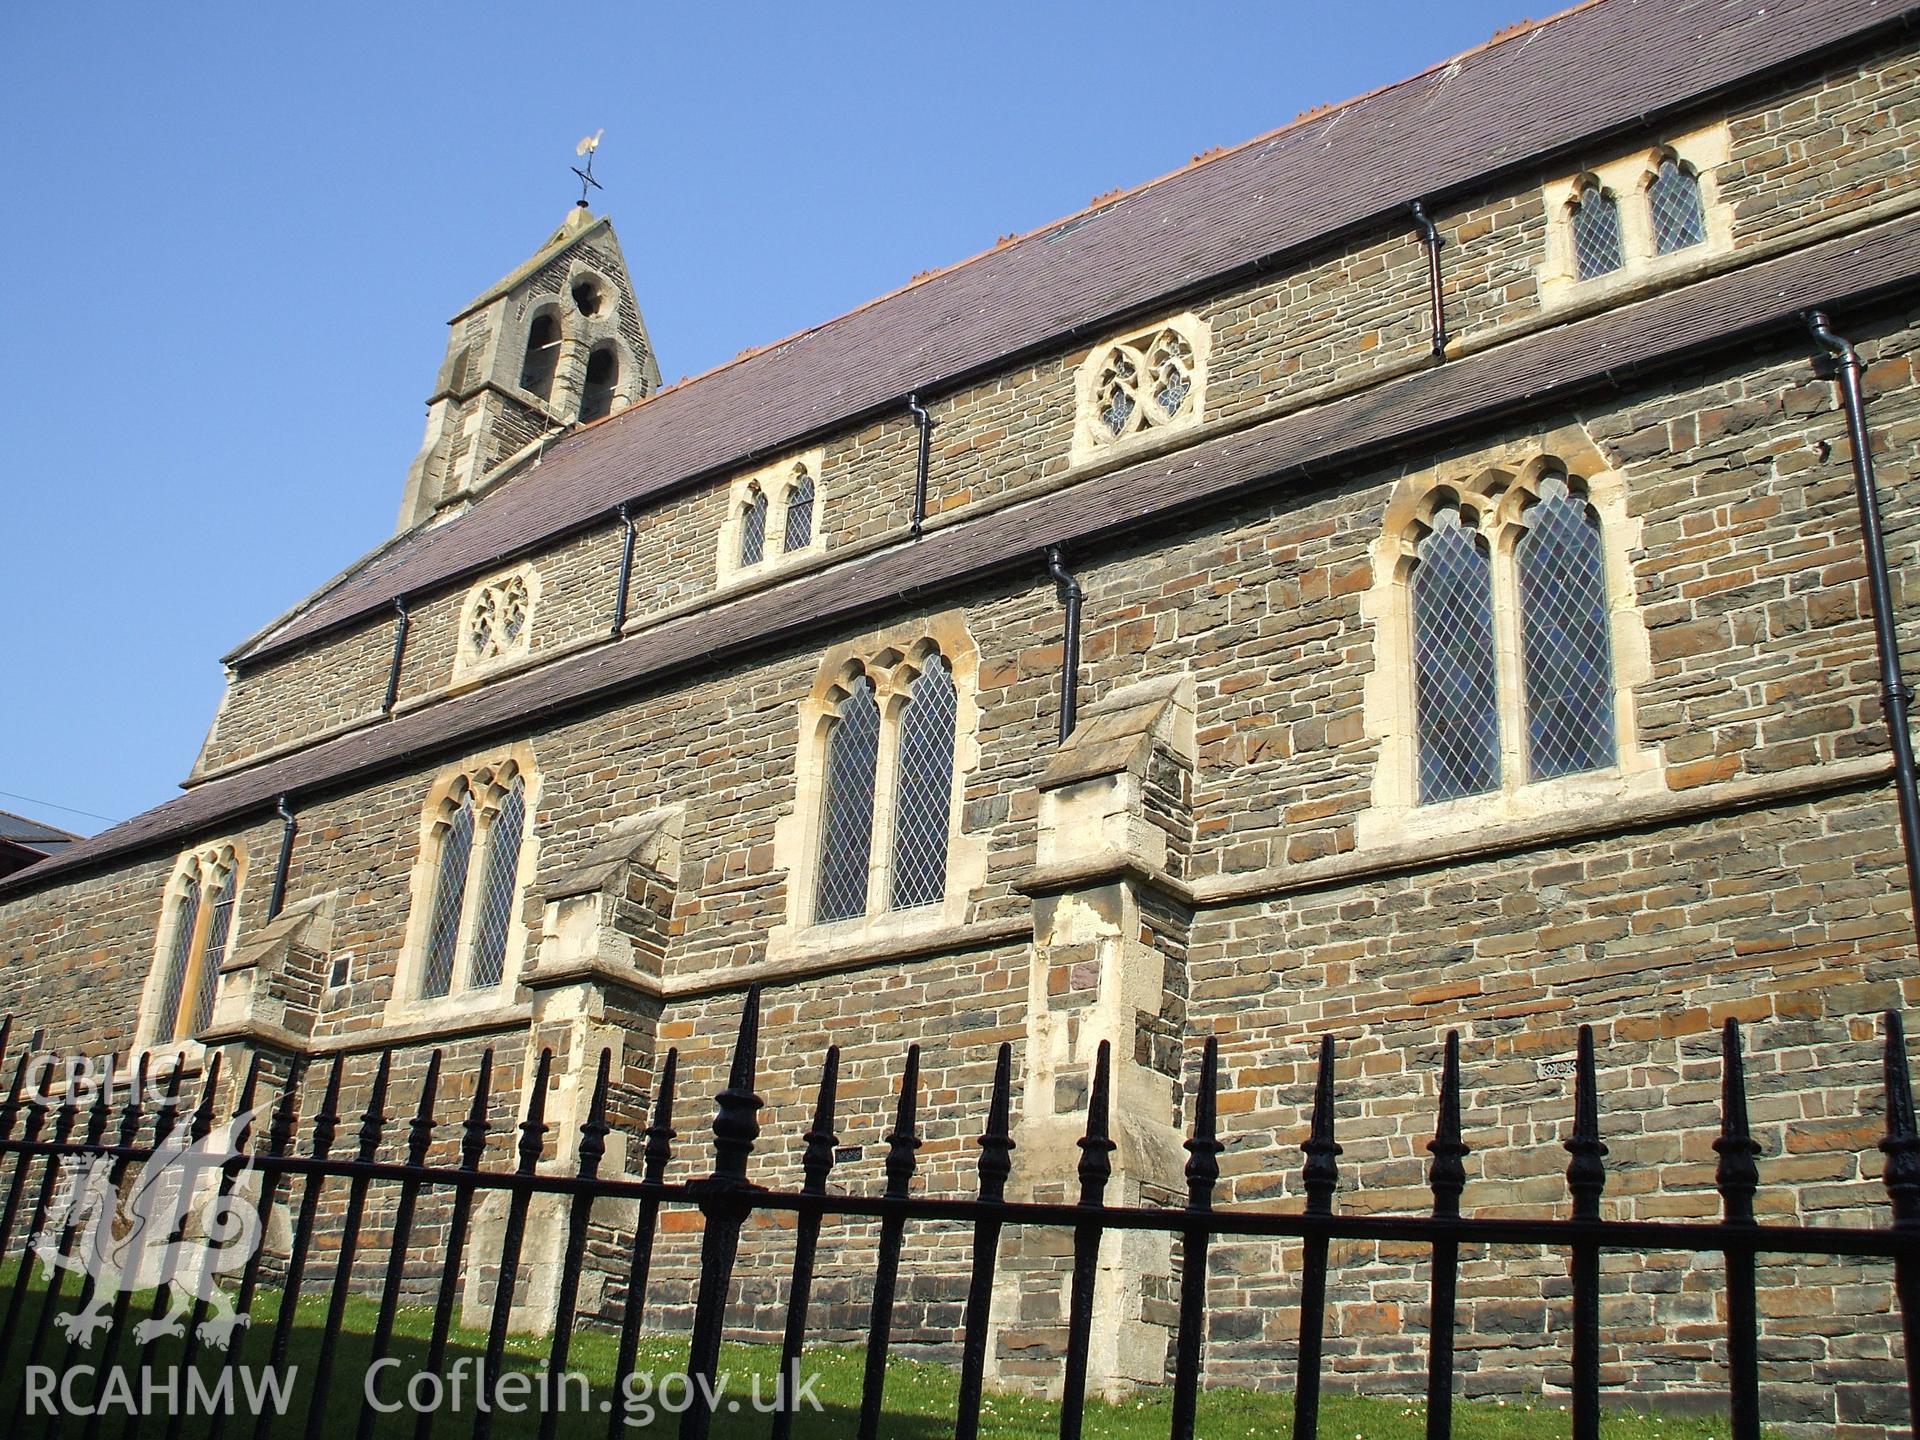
(1493, 489)
(484, 789)
(199, 928)
(496, 622)
(1629, 179)
(892, 661)
(776, 503)
(1141, 385)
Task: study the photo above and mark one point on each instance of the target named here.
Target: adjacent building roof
(1594, 71)
(1613, 348)
(25, 842)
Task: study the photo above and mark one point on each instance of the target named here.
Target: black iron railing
(727, 1197)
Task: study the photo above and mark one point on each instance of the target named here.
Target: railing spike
(593, 1130)
(1902, 1143)
(661, 1134)
(1447, 1175)
(1737, 1176)
(1587, 1171)
(1321, 1174)
(996, 1141)
(735, 1123)
(903, 1141)
(373, 1122)
(817, 1161)
(420, 1128)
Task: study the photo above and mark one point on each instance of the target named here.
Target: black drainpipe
(1432, 237)
(287, 827)
(399, 649)
(626, 572)
(923, 422)
(1894, 694)
(1071, 593)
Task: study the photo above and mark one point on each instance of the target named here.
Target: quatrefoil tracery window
(1146, 383)
(497, 620)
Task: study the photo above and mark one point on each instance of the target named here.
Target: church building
(1395, 576)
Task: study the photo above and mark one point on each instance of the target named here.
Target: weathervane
(587, 147)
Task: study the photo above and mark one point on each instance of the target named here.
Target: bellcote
(559, 342)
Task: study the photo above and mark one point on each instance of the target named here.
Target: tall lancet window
(799, 532)
(1456, 693)
(753, 527)
(1566, 657)
(923, 791)
(196, 933)
(449, 898)
(846, 839)
(1674, 205)
(470, 882)
(1596, 233)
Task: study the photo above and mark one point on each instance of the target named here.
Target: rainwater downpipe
(1895, 697)
(1070, 593)
(923, 422)
(626, 572)
(1432, 237)
(400, 621)
(288, 827)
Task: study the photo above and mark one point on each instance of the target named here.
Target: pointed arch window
(923, 789)
(449, 898)
(846, 840)
(1596, 233)
(1456, 698)
(1566, 658)
(543, 355)
(753, 527)
(476, 864)
(197, 925)
(603, 378)
(1675, 207)
(799, 527)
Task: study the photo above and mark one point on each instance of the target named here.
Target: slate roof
(1597, 70)
(1760, 303)
(34, 835)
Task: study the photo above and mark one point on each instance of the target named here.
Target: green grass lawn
(920, 1397)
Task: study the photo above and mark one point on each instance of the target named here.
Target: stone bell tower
(559, 342)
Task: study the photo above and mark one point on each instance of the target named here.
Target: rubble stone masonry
(1227, 755)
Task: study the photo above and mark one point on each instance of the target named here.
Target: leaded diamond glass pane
(500, 887)
(219, 928)
(800, 514)
(1596, 235)
(179, 953)
(1679, 220)
(443, 929)
(1565, 652)
(1456, 698)
(924, 794)
(846, 839)
(753, 529)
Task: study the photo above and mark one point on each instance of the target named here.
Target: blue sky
(234, 234)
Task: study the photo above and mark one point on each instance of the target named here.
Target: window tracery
(1147, 383)
(195, 937)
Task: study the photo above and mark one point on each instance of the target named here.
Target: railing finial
(1902, 1145)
